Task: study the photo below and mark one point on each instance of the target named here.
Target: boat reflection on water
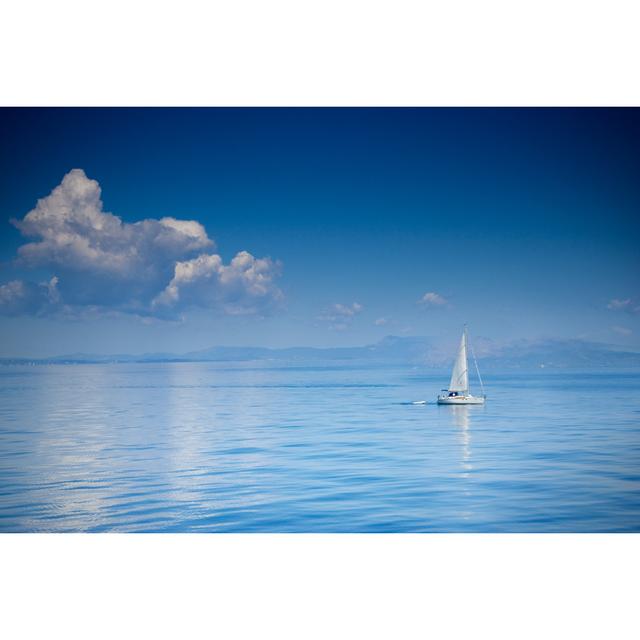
(461, 418)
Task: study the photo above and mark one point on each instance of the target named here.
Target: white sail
(460, 373)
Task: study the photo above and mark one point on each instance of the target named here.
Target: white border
(329, 52)
(319, 586)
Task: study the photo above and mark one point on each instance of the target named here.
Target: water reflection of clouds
(64, 466)
(215, 439)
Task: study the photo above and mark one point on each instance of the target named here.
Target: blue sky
(315, 226)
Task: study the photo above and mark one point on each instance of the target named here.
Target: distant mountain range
(415, 351)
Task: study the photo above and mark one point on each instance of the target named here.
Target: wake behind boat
(458, 391)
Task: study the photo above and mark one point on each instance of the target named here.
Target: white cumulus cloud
(151, 267)
(245, 286)
(18, 297)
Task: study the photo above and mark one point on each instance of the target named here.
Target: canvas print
(319, 320)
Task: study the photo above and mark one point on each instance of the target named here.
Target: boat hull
(460, 400)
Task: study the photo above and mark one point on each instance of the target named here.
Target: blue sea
(211, 447)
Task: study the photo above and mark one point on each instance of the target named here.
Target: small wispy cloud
(431, 299)
(622, 331)
(624, 304)
(616, 303)
(340, 316)
(381, 322)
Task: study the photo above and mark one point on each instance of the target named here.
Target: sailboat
(458, 391)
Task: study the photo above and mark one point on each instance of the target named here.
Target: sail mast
(477, 371)
(466, 359)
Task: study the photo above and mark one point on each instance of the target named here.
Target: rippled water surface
(207, 447)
